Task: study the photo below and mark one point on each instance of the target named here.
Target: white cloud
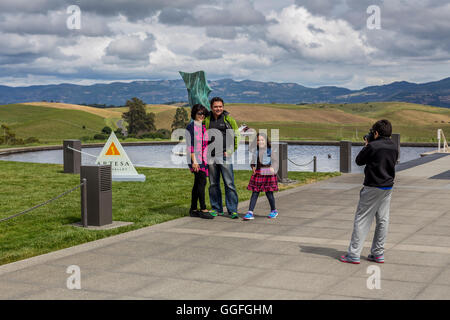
(53, 23)
(315, 37)
(229, 13)
(134, 47)
(314, 45)
(88, 51)
(16, 45)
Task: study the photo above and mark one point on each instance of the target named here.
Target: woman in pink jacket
(197, 151)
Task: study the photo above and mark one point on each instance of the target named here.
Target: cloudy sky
(310, 42)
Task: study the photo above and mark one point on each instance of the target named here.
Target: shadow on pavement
(321, 251)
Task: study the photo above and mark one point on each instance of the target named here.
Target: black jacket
(380, 157)
(221, 125)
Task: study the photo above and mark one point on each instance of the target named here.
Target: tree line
(140, 122)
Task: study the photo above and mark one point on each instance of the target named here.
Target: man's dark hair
(196, 108)
(214, 100)
(383, 127)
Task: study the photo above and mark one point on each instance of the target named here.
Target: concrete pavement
(291, 257)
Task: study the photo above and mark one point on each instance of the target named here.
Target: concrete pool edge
(9, 151)
(5, 152)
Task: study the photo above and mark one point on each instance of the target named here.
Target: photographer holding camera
(379, 155)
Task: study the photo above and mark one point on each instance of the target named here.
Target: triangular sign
(114, 154)
(112, 150)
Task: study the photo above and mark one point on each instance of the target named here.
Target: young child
(264, 177)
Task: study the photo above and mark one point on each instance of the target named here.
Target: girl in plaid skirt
(264, 177)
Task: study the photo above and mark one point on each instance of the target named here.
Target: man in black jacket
(380, 157)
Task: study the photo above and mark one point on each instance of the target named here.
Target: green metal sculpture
(197, 87)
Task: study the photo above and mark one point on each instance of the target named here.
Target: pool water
(162, 156)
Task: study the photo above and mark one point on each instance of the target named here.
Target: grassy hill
(164, 113)
(111, 116)
(53, 122)
(415, 122)
(50, 125)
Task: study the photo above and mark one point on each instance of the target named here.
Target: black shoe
(193, 213)
(205, 215)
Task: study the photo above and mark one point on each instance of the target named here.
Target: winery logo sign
(121, 166)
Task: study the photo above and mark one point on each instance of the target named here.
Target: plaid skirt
(263, 182)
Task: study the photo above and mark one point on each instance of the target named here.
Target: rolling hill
(53, 122)
(50, 124)
(165, 91)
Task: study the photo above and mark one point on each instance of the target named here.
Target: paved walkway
(292, 257)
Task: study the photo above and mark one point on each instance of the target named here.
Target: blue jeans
(215, 193)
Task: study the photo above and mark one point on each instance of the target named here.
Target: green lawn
(164, 196)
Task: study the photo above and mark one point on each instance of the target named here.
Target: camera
(370, 136)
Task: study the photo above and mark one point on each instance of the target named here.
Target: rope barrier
(301, 165)
(91, 155)
(146, 166)
(42, 204)
(82, 152)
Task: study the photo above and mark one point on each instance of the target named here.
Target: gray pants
(373, 202)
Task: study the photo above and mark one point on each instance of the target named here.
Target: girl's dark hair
(252, 147)
(196, 108)
(269, 145)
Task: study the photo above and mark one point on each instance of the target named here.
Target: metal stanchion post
(282, 162)
(396, 140)
(345, 156)
(84, 202)
(99, 194)
(71, 158)
(315, 163)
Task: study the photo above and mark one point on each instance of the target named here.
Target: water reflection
(162, 156)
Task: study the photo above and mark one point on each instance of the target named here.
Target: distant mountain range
(165, 91)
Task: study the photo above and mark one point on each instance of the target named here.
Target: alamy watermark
(374, 20)
(73, 22)
(74, 280)
(242, 155)
(374, 280)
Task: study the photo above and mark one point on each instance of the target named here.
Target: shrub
(31, 140)
(159, 134)
(107, 130)
(149, 135)
(16, 141)
(100, 136)
(165, 134)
